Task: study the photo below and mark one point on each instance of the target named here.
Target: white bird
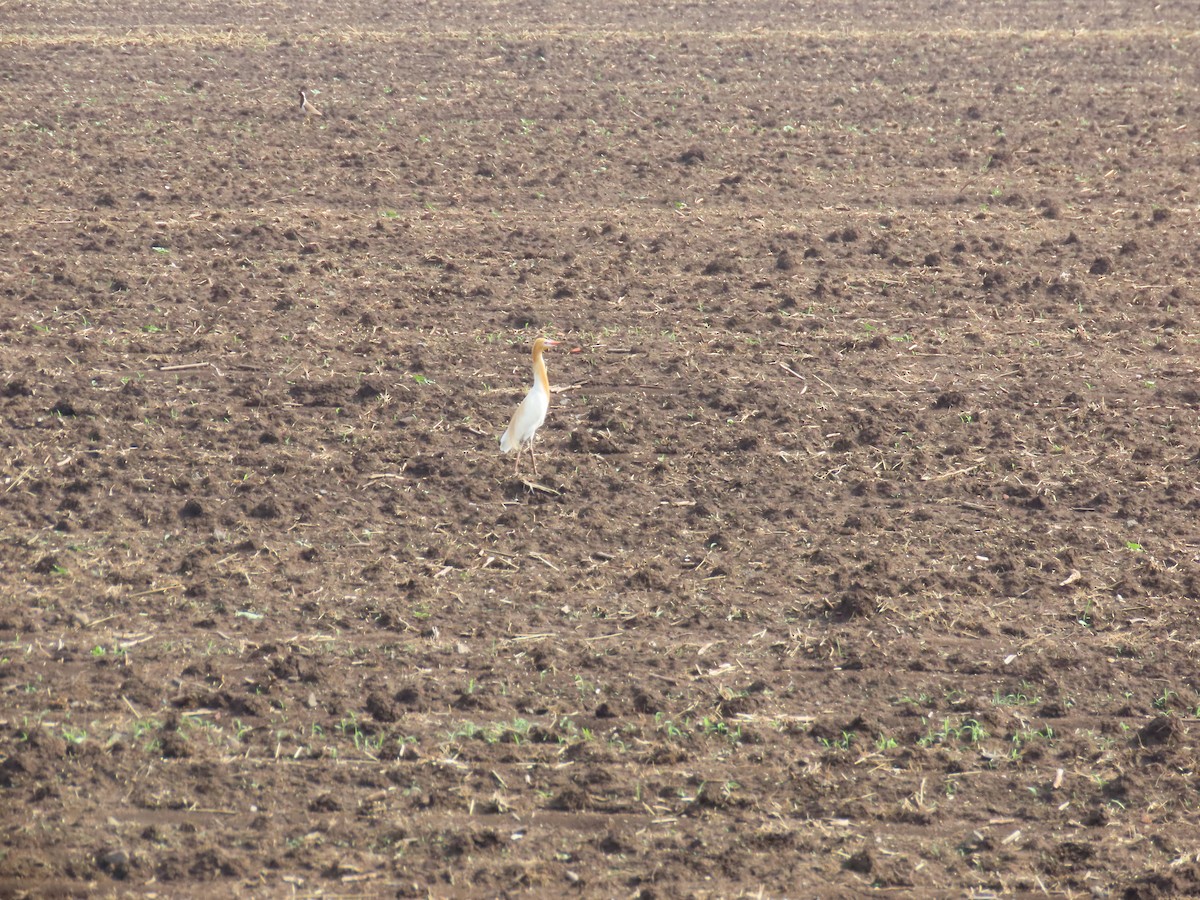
(306, 108)
(522, 428)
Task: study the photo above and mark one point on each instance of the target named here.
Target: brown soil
(865, 550)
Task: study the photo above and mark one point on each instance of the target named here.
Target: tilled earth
(864, 551)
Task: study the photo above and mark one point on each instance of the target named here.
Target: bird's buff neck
(540, 374)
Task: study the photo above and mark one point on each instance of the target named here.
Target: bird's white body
(523, 426)
(527, 419)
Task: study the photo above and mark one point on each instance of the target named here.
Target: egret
(530, 415)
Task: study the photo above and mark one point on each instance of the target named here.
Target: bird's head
(541, 344)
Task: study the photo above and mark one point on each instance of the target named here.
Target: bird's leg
(517, 465)
(532, 458)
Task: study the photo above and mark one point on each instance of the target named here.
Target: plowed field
(864, 549)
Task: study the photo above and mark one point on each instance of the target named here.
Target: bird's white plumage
(523, 426)
(527, 419)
